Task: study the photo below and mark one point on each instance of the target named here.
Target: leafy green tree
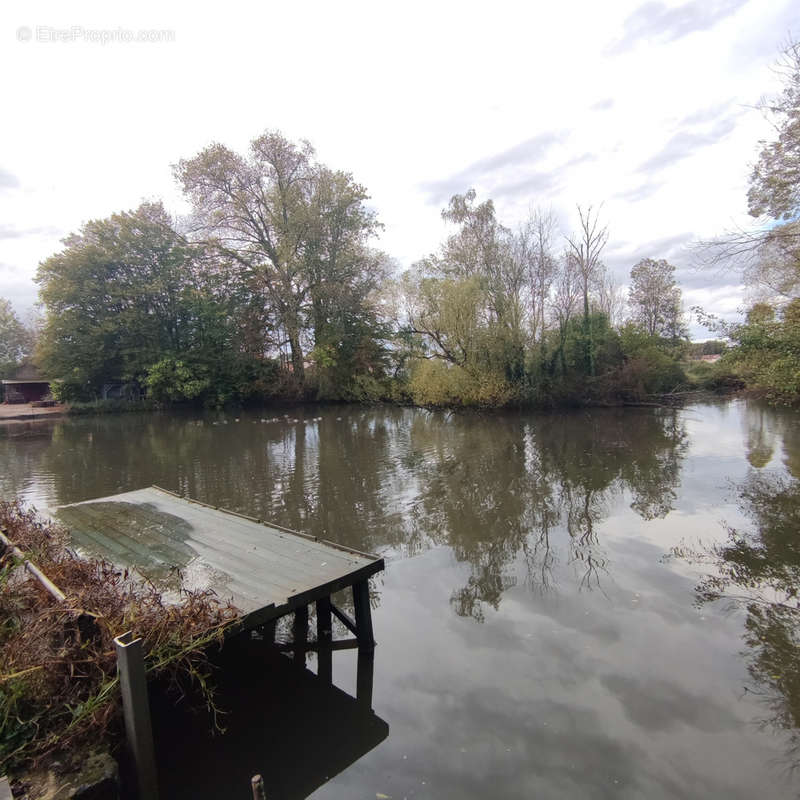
(128, 299)
(15, 339)
(766, 349)
(171, 380)
(294, 225)
(766, 346)
(114, 299)
(775, 190)
(655, 299)
(775, 179)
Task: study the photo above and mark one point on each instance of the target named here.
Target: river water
(537, 635)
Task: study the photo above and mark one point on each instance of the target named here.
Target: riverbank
(691, 394)
(17, 411)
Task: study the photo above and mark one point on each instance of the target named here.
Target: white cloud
(522, 101)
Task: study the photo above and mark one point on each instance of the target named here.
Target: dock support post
(324, 640)
(363, 614)
(257, 784)
(136, 712)
(300, 634)
(365, 669)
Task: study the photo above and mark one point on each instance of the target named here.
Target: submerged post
(136, 711)
(324, 639)
(257, 784)
(365, 670)
(300, 635)
(363, 614)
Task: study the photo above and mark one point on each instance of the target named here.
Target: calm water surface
(535, 638)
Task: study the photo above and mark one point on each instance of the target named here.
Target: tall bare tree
(587, 247)
(610, 297)
(533, 247)
(565, 298)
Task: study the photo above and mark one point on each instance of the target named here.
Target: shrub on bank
(110, 406)
(434, 383)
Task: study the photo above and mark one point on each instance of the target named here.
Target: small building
(26, 385)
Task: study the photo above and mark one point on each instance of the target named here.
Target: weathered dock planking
(265, 571)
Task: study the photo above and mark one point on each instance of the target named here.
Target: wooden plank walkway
(266, 571)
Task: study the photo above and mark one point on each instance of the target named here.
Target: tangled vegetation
(59, 690)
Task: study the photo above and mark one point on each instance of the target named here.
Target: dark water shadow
(281, 721)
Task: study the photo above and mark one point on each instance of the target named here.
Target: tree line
(272, 287)
(272, 272)
(502, 316)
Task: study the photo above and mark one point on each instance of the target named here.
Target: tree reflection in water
(759, 570)
(493, 492)
(497, 488)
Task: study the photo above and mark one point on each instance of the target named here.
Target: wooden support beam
(314, 647)
(324, 640)
(345, 619)
(300, 634)
(136, 713)
(363, 614)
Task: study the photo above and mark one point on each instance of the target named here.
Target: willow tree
(477, 272)
(279, 214)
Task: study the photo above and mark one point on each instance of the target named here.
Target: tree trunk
(587, 333)
(297, 355)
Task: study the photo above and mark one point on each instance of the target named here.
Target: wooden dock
(264, 570)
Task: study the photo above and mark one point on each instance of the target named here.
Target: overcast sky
(644, 107)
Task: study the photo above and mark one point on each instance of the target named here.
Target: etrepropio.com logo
(51, 34)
